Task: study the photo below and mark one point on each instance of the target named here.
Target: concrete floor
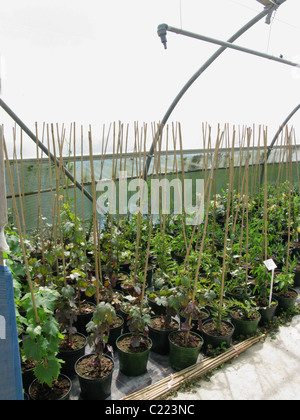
(269, 370)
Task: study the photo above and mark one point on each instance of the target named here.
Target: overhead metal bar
(226, 44)
(275, 139)
(266, 12)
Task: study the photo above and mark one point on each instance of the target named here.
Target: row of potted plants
(160, 272)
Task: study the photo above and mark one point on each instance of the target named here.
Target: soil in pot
(184, 352)
(59, 390)
(95, 379)
(214, 337)
(71, 352)
(159, 332)
(87, 369)
(124, 344)
(133, 360)
(180, 337)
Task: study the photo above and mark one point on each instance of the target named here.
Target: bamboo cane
(297, 161)
(94, 215)
(53, 207)
(247, 205)
(74, 163)
(149, 239)
(57, 177)
(22, 208)
(226, 228)
(219, 140)
(24, 252)
(40, 216)
(210, 181)
(82, 182)
(138, 233)
(290, 198)
(266, 197)
(174, 381)
(22, 177)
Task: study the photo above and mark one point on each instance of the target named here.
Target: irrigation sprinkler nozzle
(162, 33)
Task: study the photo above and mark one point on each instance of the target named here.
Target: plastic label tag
(270, 264)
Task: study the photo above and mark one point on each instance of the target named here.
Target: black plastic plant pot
(297, 278)
(216, 341)
(183, 357)
(285, 303)
(82, 320)
(133, 364)
(244, 327)
(70, 357)
(156, 308)
(27, 378)
(63, 398)
(268, 313)
(95, 388)
(125, 316)
(115, 332)
(160, 338)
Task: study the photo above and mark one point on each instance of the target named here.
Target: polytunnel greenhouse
(133, 268)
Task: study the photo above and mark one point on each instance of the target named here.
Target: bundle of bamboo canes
(174, 381)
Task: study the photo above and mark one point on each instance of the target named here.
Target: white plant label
(270, 264)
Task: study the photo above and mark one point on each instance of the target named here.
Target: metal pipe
(232, 46)
(275, 138)
(267, 10)
(42, 146)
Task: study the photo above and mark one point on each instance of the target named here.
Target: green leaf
(47, 371)
(67, 291)
(32, 351)
(51, 327)
(90, 290)
(34, 331)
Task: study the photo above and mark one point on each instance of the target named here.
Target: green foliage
(98, 328)
(283, 281)
(42, 344)
(138, 324)
(246, 309)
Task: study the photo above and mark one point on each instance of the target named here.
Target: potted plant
(134, 347)
(283, 291)
(83, 309)
(245, 317)
(95, 370)
(42, 347)
(237, 286)
(185, 345)
(217, 330)
(72, 347)
(161, 325)
(261, 294)
(132, 298)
